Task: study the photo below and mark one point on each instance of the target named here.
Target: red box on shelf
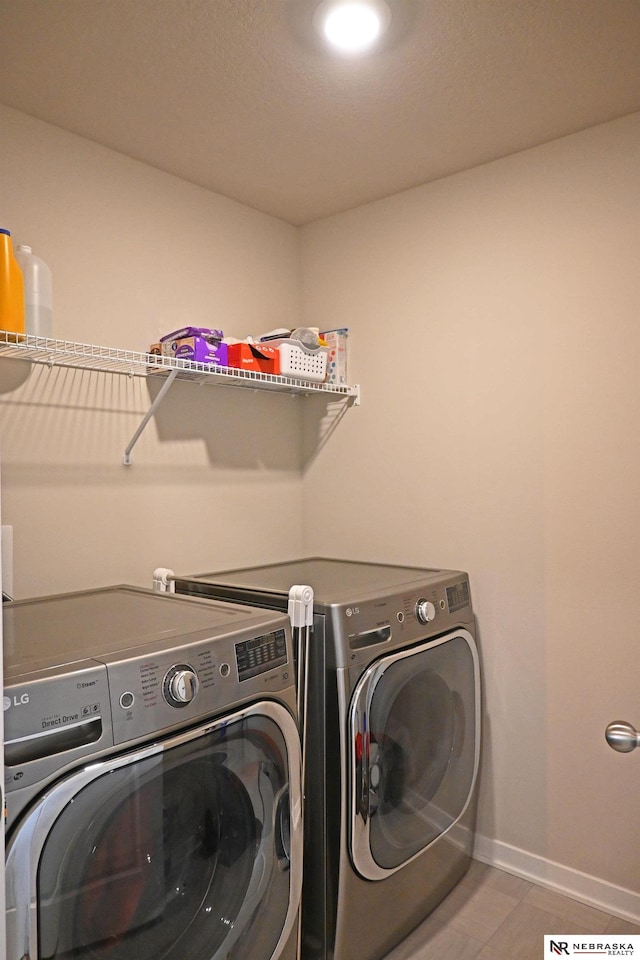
(254, 356)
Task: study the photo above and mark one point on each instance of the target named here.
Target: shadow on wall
(249, 429)
(13, 374)
(59, 416)
(321, 416)
(241, 429)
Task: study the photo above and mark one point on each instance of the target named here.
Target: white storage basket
(302, 363)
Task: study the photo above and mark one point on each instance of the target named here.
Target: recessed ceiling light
(352, 26)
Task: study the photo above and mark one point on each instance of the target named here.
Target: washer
(153, 779)
(392, 746)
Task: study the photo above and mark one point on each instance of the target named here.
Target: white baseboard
(617, 901)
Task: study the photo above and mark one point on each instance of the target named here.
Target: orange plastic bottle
(11, 289)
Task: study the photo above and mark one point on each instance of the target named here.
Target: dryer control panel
(373, 625)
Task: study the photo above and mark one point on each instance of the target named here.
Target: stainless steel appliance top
(334, 581)
(367, 607)
(109, 622)
(86, 671)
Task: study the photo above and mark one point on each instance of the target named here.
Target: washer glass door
(414, 745)
(178, 850)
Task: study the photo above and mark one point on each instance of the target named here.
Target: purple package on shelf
(185, 332)
(198, 350)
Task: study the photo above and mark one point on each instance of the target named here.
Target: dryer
(152, 779)
(392, 742)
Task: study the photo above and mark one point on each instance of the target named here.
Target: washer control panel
(255, 656)
(162, 688)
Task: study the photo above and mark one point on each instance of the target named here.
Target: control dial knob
(180, 685)
(425, 611)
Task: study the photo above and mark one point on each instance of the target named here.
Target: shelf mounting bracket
(166, 386)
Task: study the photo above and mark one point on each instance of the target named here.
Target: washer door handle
(621, 736)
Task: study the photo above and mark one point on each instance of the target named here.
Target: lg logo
(15, 701)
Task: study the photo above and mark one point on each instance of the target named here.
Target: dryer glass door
(414, 741)
(180, 850)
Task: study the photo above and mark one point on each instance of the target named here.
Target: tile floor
(492, 915)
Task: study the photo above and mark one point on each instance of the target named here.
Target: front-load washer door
(188, 849)
(414, 738)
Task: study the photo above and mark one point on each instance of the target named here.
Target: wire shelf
(85, 356)
(131, 363)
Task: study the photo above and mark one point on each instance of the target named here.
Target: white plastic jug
(38, 293)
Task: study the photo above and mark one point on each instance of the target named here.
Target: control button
(225, 669)
(400, 616)
(126, 700)
(425, 611)
(180, 685)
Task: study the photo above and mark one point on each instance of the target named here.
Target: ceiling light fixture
(352, 26)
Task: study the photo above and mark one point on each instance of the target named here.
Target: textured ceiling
(239, 97)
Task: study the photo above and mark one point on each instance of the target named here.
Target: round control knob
(180, 685)
(425, 611)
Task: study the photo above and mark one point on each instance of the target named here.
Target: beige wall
(217, 478)
(495, 332)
